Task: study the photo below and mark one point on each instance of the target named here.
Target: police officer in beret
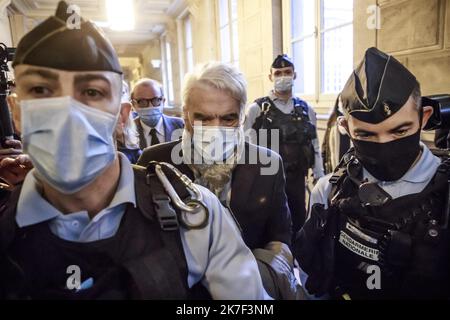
(378, 225)
(295, 122)
(85, 224)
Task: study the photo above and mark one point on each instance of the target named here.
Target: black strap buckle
(337, 175)
(167, 216)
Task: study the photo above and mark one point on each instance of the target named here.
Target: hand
(14, 149)
(15, 144)
(14, 170)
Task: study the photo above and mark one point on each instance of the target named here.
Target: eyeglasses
(145, 103)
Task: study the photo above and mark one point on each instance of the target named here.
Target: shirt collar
(421, 171)
(32, 208)
(159, 127)
(273, 97)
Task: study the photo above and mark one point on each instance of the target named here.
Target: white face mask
(283, 84)
(214, 145)
(69, 143)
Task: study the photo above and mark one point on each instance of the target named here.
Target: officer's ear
(427, 112)
(295, 75)
(270, 77)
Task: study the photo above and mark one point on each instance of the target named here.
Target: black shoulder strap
(443, 172)
(155, 204)
(153, 200)
(265, 103)
(8, 226)
(261, 100)
(301, 107)
(339, 174)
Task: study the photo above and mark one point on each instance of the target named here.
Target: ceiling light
(156, 63)
(120, 14)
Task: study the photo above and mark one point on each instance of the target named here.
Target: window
(185, 49)
(336, 44)
(188, 48)
(167, 70)
(321, 45)
(228, 31)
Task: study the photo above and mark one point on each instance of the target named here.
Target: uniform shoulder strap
(152, 199)
(8, 226)
(443, 174)
(301, 106)
(261, 100)
(265, 103)
(339, 174)
(150, 272)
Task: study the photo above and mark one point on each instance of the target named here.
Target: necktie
(155, 139)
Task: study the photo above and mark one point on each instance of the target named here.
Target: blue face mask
(69, 143)
(151, 115)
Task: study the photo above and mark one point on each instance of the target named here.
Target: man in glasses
(153, 126)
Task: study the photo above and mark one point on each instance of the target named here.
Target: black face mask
(391, 160)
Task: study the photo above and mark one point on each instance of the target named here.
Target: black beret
(377, 88)
(53, 44)
(282, 61)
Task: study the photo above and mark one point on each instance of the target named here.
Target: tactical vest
(389, 248)
(296, 133)
(143, 260)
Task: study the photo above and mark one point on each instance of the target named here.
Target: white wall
(5, 30)
(151, 51)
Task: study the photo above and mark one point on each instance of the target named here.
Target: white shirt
(160, 133)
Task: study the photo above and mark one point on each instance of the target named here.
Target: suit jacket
(170, 125)
(258, 201)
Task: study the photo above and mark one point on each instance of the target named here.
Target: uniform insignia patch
(360, 234)
(358, 248)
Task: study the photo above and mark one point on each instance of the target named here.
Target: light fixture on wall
(120, 14)
(156, 63)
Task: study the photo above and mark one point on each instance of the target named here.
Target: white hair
(218, 75)
(130, 133)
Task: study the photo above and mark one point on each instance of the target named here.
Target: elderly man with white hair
(246, 178)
